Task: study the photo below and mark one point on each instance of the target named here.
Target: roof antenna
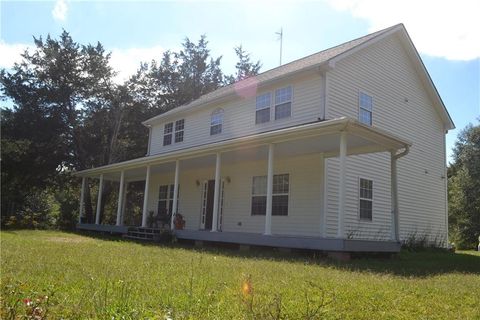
(280, 34)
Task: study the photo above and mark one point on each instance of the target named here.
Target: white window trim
(273, 105)
(175, 131)
(273, 194)
(216, 111)
(360, 92)
(171, 133)
(269, 107)
(170, 187)
(360, 198)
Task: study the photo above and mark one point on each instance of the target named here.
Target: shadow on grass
(426, 263)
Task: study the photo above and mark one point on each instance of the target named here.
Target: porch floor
(257, 239)
(290, 241)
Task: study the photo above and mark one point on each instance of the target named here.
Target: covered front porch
(227, 167)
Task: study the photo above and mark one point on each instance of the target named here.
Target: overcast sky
(446, 33)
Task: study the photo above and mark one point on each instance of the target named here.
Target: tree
(53, 89)
(464, 188)
(245, 67)
(179, 78)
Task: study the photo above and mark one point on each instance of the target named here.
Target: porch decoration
(179, 222)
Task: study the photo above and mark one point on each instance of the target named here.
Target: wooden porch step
(146, 234)
(126, 236)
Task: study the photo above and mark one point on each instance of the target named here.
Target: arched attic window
(216, 122)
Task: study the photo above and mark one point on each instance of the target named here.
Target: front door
(209, 204)
(208, 193)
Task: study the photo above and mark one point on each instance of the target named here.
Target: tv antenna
(280, 35)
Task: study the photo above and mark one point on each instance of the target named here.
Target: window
(167, 134)
(165, 199)
(216, 122)
(179, 126)
(365, 113)
(263, 104)
(283, 102)
(366, 199)
(279, 198)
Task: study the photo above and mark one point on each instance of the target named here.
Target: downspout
(149, 140)
(445, 175)
(394, 190)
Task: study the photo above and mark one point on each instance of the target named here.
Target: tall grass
(84, 277)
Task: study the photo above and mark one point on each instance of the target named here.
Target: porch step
(145, 234)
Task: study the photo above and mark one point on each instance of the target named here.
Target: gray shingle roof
(305, 63)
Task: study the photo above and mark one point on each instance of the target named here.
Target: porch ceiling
(319, 137)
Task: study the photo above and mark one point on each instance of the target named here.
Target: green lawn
(86, 277)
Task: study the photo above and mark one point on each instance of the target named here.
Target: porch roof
(320, 137)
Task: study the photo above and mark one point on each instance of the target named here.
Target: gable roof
(325, 57)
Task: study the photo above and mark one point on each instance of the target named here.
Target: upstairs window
(179, 126)
(283, 102)
(263, 104)
(167, 134)
(216, 122)
(366, 199)
(281, 189)
(366, 106)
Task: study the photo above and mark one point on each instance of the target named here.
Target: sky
(446, 34)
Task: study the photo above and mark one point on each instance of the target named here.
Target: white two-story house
(343, 150)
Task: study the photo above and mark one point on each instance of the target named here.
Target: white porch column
(216, 194)
(341, 183)
(120, 198)
(124, 202)
(145, 198)
(268, 213)
(82, 200)
(394, 196)
(175, 193)
(99, 199)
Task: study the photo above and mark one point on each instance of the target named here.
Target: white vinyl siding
(239, 115)
(403, 108)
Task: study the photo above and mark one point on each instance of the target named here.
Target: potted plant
(179, 222)
(151, 218)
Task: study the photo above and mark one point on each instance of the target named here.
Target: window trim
(275, 103)
(169, 133)
(360, 198)
(179, 131)
(273, 195)
(217, 112)
(360, 108)
(269, 107)
(169, 198)
(172, 133)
